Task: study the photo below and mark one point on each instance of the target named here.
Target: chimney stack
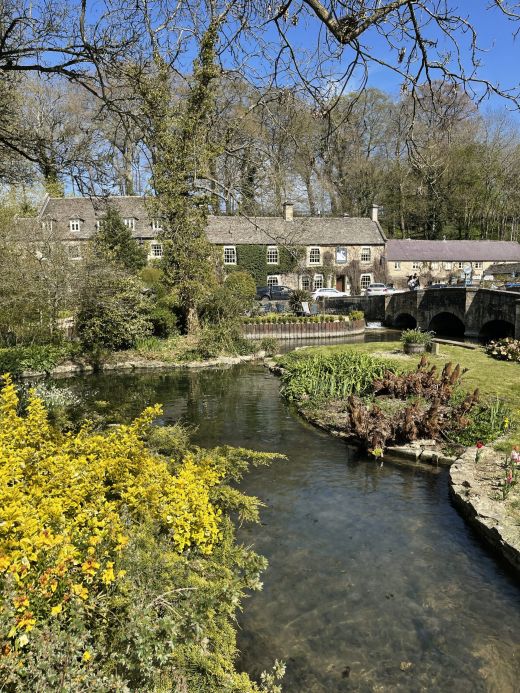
(374, 212)
(288, 211)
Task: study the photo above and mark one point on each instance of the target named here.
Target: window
(75, 224)
(366, 255)
(477, 265)
(460, 265)
(434, 265)
(314, 256)
(273, 280)
(230, 255)
(397, 265)
(306, 283)
(318, 281)
(416, 265)
(341, 256)
(74, 251)
(272, 255)
(140, 240)
(47, 225)
(129, 223)
(446, 265)
(156, 250)
(156, 225)
(365, 280)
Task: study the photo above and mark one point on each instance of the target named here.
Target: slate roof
(232, 230)
(505, 268)
(299, 231)
(411, 250)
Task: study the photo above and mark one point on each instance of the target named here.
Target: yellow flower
(23, 640)
(108, 575)
(56, 610)
(90, 567)
(86, 656)
(80, 591)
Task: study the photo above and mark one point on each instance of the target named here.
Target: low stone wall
(303, 330)
(473, 488)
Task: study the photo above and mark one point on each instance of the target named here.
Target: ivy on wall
(253, 259)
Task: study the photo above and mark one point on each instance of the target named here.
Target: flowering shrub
(507, 349)
(72, 504)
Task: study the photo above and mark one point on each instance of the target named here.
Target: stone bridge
(457, 311)
(452, 311)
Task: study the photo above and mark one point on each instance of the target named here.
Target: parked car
(329, 293)
(437, 286)
(377, 290)
(273, 293)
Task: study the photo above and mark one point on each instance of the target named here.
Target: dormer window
(75, 225)
(156, 225)
(129, 223)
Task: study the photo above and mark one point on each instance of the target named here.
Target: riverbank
(476, 488)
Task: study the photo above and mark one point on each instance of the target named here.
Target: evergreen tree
(113, 242)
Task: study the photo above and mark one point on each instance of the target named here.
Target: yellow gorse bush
(68, 501)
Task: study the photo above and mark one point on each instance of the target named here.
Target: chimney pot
(288, 211)
(374, 212)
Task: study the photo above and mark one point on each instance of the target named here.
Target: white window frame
(397, 265)
(230, 252)
(313, 251)
(156, 251)
(273, 280)
(75, 225)
(460, 265)
(343, 251)
(366, 255)
(477, 265)
(273, 256)
(305, 282)
(416, 266)
(129, 222)
(365, 280)
(447, 266)
(318, 282)
(156, 225)
(434, 265)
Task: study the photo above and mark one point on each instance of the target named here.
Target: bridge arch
(447, 324)
(405, 321)
(496, 329)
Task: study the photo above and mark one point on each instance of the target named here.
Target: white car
(377, 290)
(329, 293)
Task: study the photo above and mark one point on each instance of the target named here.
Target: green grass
(493, 378)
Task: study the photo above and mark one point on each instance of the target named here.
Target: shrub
(330, 376)
(356, 315)
(224, 338)
(113, 312)
(269, 345)
(417, 336)
(114, 560)
(507, 349)
(297, 297)
(164, 322)
(42, 358)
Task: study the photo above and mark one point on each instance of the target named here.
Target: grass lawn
(493, 378)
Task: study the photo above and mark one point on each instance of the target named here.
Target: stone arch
(495, 329)
(447, 324)
(405, 321)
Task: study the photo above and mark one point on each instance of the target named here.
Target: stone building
(447, 262)
(300, 252)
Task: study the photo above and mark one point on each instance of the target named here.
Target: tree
(113, 241)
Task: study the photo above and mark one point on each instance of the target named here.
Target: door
(340, 282)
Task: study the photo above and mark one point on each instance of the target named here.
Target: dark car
(273, 293)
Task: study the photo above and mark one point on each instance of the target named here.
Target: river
(374, 583)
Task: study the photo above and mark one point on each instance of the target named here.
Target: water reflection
(375, 583)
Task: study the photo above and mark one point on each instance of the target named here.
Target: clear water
(374, 582)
